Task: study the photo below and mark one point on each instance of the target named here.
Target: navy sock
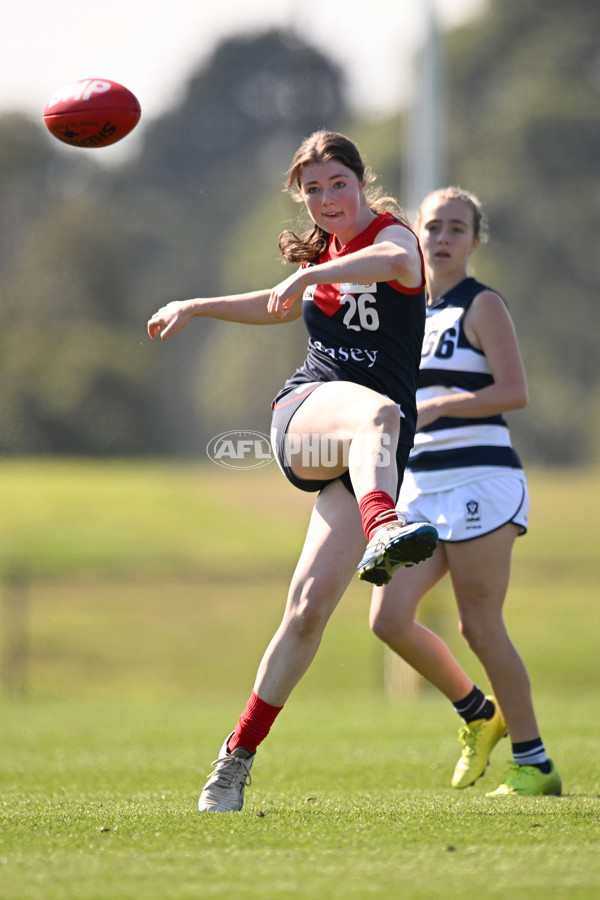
(532, 753)
(475, 706)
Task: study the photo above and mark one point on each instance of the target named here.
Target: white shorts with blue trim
(471, 510)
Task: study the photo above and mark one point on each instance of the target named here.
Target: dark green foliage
(254, 91)
(523, 96)
(88, 254)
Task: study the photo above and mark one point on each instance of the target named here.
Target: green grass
(142, 642)
(98, 801)
(77, 516)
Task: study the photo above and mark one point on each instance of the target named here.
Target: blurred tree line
(88, 253)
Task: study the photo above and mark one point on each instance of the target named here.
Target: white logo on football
(79, 90)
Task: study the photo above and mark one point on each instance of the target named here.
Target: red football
(93, 112)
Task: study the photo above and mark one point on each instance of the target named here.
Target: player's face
(335, 199)
(446, 235)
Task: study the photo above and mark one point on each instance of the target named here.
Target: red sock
(372, 506)
(254, 724)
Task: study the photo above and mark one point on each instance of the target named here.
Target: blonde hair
(480, 224)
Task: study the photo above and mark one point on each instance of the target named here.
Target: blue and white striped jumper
(452, 452)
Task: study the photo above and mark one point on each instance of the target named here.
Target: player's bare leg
(332, 547)
(393, 619)
(480, 572)
(333, 544)
(361, 428)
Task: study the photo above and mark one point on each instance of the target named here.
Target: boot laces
(229, 770)
(391, 517)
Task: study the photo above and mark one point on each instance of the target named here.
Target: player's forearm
(385, 261)
(489, 401)
(247, 309)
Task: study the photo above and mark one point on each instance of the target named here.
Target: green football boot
(529, 781)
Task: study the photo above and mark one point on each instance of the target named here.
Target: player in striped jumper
(464, 477)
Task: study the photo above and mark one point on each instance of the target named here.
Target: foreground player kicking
(360, 289)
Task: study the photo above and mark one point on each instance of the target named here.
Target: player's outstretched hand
(170, 319)
(284, 295)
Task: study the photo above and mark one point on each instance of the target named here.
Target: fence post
(15, 632)
(401, 680)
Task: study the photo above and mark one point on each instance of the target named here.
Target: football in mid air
(93, 112)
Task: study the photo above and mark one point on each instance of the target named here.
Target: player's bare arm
(489, 328)
(393, 257)
(246, 309)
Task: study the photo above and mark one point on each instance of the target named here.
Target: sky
(154, 49)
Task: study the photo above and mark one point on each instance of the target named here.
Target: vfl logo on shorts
(472, 516)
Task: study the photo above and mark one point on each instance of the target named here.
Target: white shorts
(472, 510)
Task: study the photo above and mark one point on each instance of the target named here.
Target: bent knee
(379, 412)
(386, 625)
(387, 415)
(382, 629)
(480, 634)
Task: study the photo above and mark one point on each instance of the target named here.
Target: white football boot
(396, 544)
(224, 790)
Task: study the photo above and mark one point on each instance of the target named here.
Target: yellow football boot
(478, 739)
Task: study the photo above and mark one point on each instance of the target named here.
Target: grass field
(130, 642)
